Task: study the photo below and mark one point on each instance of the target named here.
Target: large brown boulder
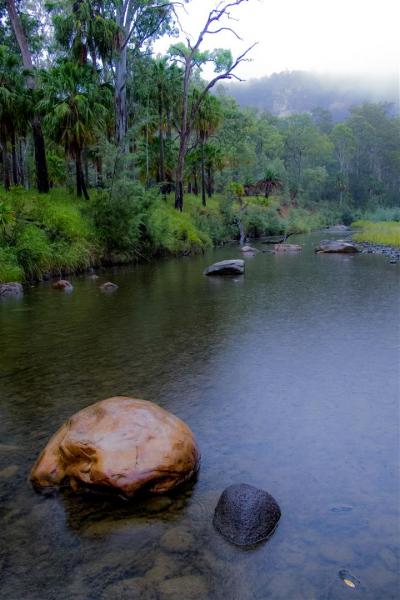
(121, 444)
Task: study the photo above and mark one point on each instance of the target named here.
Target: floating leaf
(349, 583)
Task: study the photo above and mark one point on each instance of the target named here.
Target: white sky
(331, 36)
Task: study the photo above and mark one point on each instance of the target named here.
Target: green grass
(384, 232)
(60, 234)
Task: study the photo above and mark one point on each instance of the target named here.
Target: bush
(33, 251)
(175, 232)
(9, 268)
(119, 218)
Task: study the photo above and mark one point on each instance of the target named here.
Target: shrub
(119, 219)
(174, 232)
(33, 251)
(9, 268)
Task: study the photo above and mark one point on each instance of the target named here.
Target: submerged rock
(341, 246)
(12, 289)
(246, 515)
(226, 267)
(287, 248)
(63, 285)
(248, 249)
(120, 444)
(108, 287)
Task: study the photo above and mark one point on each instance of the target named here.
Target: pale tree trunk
(42, 178)
(184, 138)
(203, 174)
(121, 119)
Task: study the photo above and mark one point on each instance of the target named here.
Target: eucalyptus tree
(192, 58)
(42, 178)
(344, 149)
(75, 109)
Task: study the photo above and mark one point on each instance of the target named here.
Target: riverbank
(58, 235)
(380, 237)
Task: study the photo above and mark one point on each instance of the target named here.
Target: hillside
(300, 91)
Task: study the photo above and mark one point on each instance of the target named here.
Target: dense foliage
(87, 111)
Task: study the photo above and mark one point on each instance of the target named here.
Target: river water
(289, 378)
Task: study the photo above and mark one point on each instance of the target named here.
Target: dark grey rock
(12, 289)
(226, 267)
(246, 515)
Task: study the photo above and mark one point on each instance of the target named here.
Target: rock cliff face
(121, 444)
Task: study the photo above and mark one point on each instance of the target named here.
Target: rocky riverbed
(392, 253)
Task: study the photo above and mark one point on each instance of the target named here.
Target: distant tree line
(82, 99)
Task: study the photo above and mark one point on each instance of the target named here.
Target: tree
(139, 22)
(42, 179)
(191, 57)
(206, 121)
(75, 108)
(344, 149)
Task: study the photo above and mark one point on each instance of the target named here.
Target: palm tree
(207, 120)
(75, 109)
(11, 110)
(272, 181)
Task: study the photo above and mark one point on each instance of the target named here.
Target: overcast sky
(330, 36)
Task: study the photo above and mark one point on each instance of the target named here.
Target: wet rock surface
(11, 290)
(108, 287)
(287, 248)
(336, 246)
(63, 285)
(246, 515)
(120, 444)
(226, 267)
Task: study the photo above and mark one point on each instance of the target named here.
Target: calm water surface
(289, 378)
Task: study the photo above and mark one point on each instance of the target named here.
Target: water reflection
(288, 377)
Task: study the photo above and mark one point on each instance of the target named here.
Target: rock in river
(329, 246)
(108, 287)
(287, 248)
(62, 284)
(226, 267)
(120, 444)
(246, 515)
(12, 289)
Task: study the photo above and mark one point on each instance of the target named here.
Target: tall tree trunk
(195, 183)
(42, 179)
(80, 179)
(161, 136)
(121, 120)
(6, 164)
(184, 138)
(203, 174)
(99, 171)
(14, 160)
(210, 190)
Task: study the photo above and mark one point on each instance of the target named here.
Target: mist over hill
(290, 92)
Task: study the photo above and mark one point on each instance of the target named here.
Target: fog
(345, 37)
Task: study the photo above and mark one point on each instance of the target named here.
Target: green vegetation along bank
(59, 234)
